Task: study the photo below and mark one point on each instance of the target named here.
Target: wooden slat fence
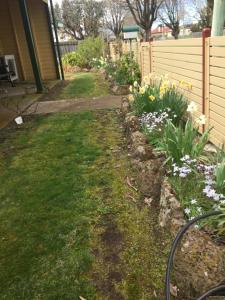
(181, 60)
(198, 61)
(67, 47)
(216, 91)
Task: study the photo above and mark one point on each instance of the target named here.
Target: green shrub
(87, 50)
(176, 142)
(127, 70)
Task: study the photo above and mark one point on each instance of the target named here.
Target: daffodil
(146, 79)
(131, 98)
(192, 107)
(135, 84)
(190, 85)
(165, 84)
(162, 90)
(201, 120)
(131, 88)
(174, 85)
(182, 83)
(142, 90)
(152, 98)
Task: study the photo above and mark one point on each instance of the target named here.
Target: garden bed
(200, 259)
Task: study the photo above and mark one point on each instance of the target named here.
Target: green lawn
(67, 225)
(86, 85)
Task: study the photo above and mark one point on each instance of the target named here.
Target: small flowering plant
(153, 123)
(176, 142)
(156, 97)
(206, 188)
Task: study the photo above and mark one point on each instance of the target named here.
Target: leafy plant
(151, 99)
(87, 50)
(127, 70)
(220, 177)
(176, 142)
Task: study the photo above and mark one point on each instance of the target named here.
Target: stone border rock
(200, 262)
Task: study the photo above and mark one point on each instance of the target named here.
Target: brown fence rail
(199, 61)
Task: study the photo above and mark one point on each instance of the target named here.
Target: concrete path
(106, 102)
(69, 105)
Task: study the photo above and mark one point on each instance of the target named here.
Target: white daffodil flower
(201, 120)
(192, 107)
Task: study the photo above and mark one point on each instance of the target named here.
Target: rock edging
(199, 263)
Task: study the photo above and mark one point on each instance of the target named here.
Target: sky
(59, 1)
(188, 20)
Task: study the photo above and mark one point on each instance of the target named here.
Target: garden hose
(216, 291)
(172, 252)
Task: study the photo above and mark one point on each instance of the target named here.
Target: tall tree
(115, 12)
(92, 17)
(80, 18)
(145, 13)
(171, 13)
(204, 12)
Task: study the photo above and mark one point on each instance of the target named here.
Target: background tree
(171, 13)
(145, 13)
(115, 12)
(204, 12)
(79, 19)
(93, 13)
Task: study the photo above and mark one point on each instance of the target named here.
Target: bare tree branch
(144, 13)
(115, 12)
(171, 13)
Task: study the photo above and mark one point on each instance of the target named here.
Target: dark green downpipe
(52, 40)
(57, 39)
(31, 45)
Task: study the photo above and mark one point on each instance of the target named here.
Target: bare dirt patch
(53, 94)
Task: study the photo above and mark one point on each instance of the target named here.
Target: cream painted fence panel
(181, 60)
(145, 58)
(216, 105)
(184, 60)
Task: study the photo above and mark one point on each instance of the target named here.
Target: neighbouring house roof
(161, 29)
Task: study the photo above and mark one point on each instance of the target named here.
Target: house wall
(39, 23)
(8, 40)
(19, 34)
(13, 39)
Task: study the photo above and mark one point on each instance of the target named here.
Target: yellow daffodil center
(142, 90)
(152, 98)
(131, 98)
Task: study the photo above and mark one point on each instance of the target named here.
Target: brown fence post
(206, 32)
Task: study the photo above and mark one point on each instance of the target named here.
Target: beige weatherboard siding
(183, 60)
(13, 39)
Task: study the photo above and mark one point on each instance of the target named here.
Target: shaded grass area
(68, 226)
(86, 85)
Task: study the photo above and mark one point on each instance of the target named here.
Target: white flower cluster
(189, 165)
(186, 168)
(155, 120)
(209, 189)
(101, 62)
(193, 210)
